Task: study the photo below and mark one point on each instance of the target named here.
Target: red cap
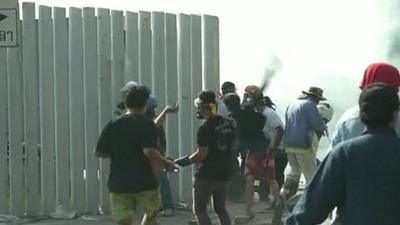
(381, 72)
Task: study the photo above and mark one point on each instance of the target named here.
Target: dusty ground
(182, 217)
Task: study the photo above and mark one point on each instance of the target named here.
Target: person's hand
(170, 166)
(121, 106)
(156, 165)
(183, 161)
(265, 163)
(172, 108)
(268, 163)
(270, 155)
(271, 152)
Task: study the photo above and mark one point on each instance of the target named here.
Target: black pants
(281, 162)
(203, 191)
(237, 184)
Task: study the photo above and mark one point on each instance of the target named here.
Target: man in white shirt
(350, 125)
(226, 88)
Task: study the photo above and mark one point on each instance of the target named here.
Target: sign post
(9, 19)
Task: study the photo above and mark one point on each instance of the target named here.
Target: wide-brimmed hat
(313, 91)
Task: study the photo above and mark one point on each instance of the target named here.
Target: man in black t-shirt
(216, 139)
(130, 142)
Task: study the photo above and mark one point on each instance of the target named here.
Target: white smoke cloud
(319, 43)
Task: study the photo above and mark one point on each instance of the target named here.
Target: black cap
(228, 87)
(232, 101)
(207, 97)
(377, 103)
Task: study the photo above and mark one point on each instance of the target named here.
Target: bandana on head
(381, 72)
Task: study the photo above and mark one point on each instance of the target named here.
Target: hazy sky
(319, 42)
(313, 38)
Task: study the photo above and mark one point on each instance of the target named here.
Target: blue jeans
(165, 190)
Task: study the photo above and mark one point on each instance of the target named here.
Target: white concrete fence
(61, 86)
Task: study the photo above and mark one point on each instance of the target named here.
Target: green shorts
(124, 204)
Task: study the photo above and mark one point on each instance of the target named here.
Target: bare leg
(277, 217)
(274, 187)
(249, 197)
(149, 220)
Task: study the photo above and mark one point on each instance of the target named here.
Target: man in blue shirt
(303, 122)
(349, 125)
(343, 180)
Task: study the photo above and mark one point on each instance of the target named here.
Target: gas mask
(252, 101)
(252, 98)
(248, 101)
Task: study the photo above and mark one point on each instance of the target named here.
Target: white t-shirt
(273, 121)
(350, 126)
(222, 109)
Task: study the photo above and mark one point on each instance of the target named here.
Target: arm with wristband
(198, 156)
(203, 140)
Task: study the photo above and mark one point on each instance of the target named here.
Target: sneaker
(193, 222)
(272, 206)
(292, 201)
(243, 219)
(167, 212)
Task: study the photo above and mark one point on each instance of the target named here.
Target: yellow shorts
(124, 204)
(308, 151)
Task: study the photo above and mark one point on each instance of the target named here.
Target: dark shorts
(255, 169)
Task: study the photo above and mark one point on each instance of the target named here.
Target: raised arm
(315, 119)
(160, 120)
(149, 133)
